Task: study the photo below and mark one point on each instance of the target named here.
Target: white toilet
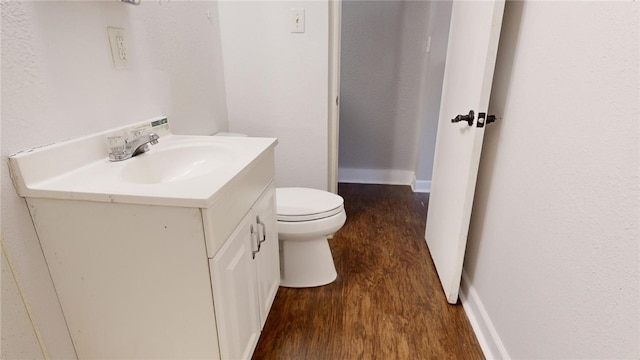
(306, 217)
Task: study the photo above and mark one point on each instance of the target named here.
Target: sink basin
(176, 163)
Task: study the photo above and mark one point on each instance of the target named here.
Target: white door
(471, 55)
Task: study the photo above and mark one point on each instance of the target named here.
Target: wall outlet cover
(118, 44)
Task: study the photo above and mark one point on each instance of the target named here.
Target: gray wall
(386, 88)
(439, 19)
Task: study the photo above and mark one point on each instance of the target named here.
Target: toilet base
(306, 263)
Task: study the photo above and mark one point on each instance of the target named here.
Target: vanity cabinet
(245, 275)
(173, 270)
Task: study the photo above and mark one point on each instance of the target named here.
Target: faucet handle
(153, 139)
(135, 134)
(116, 144)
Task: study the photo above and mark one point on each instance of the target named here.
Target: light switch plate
(297, 20)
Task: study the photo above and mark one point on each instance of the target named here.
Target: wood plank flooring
(387, 302)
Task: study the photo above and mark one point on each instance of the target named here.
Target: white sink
(176, 163)
(180, 170)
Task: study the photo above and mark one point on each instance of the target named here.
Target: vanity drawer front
(235, 201)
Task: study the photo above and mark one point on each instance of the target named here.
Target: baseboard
(421, 186)
(375, 176)
(481, 323)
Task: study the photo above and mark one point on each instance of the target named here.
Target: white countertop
(65, 171)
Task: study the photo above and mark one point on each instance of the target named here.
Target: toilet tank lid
(296, 201)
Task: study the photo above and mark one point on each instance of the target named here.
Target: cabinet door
(268, 259)
(235, 292)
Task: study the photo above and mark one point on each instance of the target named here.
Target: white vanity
(170, 254)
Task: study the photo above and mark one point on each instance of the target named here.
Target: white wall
(553, 252)
(277, 83)
(384, 63)
(58, 82)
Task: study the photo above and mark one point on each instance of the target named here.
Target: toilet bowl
(306, 217)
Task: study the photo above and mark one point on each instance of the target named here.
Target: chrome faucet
(128, 148)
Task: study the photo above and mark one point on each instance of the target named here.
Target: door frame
(335, 34)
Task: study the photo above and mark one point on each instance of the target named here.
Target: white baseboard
(375, 176)
(481, 323)
(421, 186)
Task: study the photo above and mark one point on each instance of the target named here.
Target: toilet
(306, 218)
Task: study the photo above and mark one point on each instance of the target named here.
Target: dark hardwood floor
(386, 303)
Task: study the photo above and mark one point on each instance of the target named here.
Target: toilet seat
(296, 204)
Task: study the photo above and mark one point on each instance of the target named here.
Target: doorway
(391, 58)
